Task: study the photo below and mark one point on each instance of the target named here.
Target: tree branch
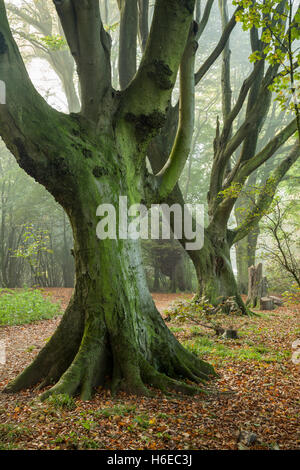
(240, 101)
(218, 49)
(203, 22)
(28, 125)
(150, 90)
(143, 22)
(43, 27)
(90, 47)
(172, 170)
(223, 207)
(127, 42)
(251, 165)
(225, 74)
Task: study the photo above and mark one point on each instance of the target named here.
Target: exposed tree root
(164, 383)
(78, 359)
(73, 380)
(57, 354)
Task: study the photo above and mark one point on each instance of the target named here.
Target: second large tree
(111, 330)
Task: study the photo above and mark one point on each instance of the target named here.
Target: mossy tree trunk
(111, 332)
(216, 279)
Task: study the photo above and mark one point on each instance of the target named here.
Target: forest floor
(257, 392)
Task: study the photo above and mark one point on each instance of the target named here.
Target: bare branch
(251, 165)
(218, 49)
(240, 100)
(266, 194)
(43, 27)
(204, 19)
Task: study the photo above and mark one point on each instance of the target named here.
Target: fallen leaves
(251, 396)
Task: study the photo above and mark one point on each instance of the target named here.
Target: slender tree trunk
(180, 274)
(156, 286)
(255, 285)
(245, 257)
(242, 264)
(67, 260)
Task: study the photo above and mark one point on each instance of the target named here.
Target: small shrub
(292, 296)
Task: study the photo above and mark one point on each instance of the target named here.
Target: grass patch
(74, 441)
(204, 346)
(163, 415)
(142, 421)
(117, 410)
(61, 401)
(9, 433)
(176, 329)
(25, 306)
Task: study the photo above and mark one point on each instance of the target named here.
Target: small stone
(247, 438)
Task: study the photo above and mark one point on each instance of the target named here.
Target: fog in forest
(172, 106)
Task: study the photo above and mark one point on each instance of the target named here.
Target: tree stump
(266, 303)
(277, 301)
(230, 334)
(254, 285)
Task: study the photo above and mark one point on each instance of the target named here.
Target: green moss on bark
(160, 73)
(146, 124)
(122, 335)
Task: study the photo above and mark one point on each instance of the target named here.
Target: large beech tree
(111, 330)
(212, 263)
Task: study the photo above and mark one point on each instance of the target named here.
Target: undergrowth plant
(25, 306)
